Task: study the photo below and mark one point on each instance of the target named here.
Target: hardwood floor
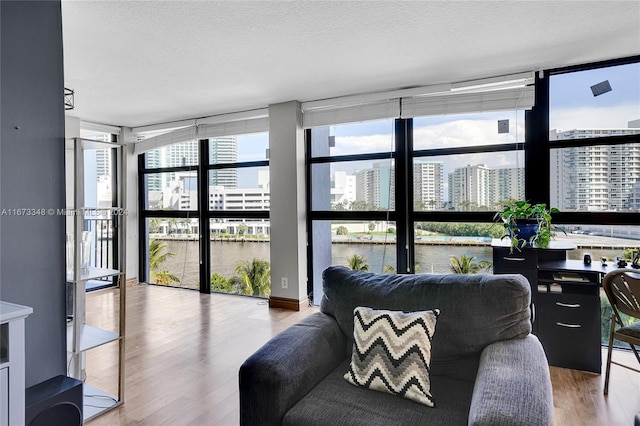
(184, 349)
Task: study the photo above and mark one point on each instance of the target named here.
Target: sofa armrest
(287, 367)
(513, 385)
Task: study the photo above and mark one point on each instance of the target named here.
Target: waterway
(430, 258)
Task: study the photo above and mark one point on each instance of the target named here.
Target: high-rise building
(343, 188)
(223, 151)
(428, 185)
(477, 185)
(596, 178)
(375, 187)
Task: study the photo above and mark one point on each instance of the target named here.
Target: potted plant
(526, 224)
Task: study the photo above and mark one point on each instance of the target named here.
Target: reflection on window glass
(239, 149)
(595, 103)
(468, 182)
(353, 185)
(356, 138)
(173, 256)
(171, 191)
(596, 178)
(175, 155)
(451, 131)
(240, 257)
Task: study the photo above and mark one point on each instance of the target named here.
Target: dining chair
(622, 287)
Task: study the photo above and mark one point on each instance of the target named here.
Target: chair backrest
(475, 310)
(622, 287)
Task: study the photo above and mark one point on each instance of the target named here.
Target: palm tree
(255, 277)
(220, 283)
(467, 265)
(156, 258)
(358, 263)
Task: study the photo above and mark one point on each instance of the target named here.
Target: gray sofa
(486, 367)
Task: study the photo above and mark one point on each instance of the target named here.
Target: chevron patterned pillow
(392, 352)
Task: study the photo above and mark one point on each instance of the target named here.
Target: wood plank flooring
(184, 349)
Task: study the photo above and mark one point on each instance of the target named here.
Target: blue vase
(526, 229)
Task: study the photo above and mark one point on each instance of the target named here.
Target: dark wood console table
(566, 300)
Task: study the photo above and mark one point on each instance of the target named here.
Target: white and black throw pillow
(392, 352)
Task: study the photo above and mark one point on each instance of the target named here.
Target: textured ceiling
(135, 63)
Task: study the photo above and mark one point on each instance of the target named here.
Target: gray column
(288, 215)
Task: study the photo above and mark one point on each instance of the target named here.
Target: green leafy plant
(467, 265)
(254, 277)
(517, 216)
(358, 263)
(157, 256)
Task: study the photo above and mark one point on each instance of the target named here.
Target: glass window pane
(596, 178)
(356, 138)
(595, 103)
(452, 131)
(353, 185)
(173, 256)
(249, 192)
(239, 149)
(468, 182)
(449, 247)
(364, 245)
(175, 155)
(240, 256)
(171, 191)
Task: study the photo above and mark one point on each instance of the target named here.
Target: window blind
(216, 126)
(509, 92)
(460, 103)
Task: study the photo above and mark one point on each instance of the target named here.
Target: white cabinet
(12, 382)
(95, 198)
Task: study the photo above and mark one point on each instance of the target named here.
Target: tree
(220, 283)
(254, 277)
(358, 263)
(154, 225)
(156, 258)
(467, 265)
(342, 230)
(242, 228)
(372, 227)
(388, 269)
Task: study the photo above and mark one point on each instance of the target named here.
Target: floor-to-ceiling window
(407, 194)
(351, 178)
(238, 214)
(169, 184)
(574, 145)
(205, 213)
(594, 160)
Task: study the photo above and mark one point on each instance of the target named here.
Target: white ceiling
(135, 63)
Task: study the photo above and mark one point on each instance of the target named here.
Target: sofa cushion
(392, 351)
(476, 310)
(336, 402)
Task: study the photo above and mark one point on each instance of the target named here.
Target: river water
(225, 256)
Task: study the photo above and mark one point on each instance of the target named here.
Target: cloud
(616, 116)
(346, 145)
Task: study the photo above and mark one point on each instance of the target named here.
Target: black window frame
(536, 147)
